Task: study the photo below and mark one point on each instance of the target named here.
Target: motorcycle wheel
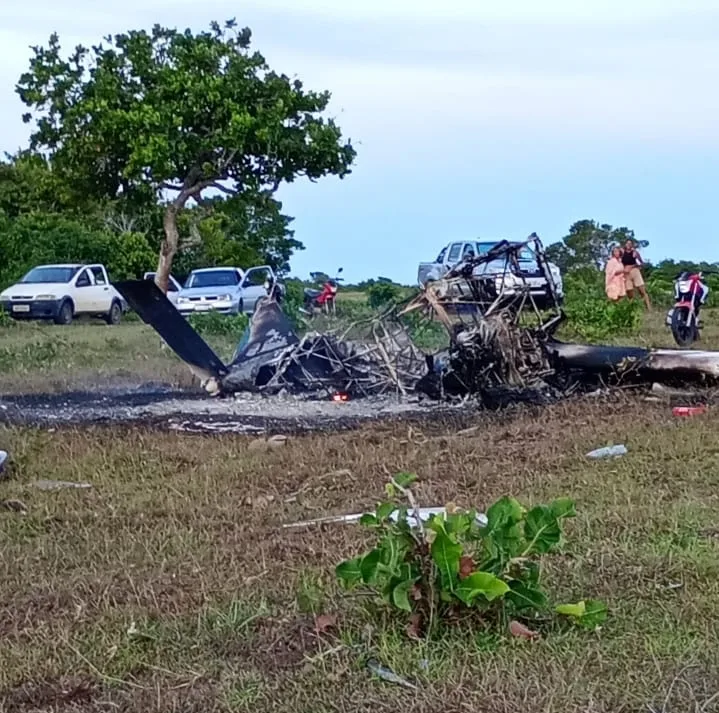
(684, 334)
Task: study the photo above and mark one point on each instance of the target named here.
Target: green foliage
(456, 561)
(591, 315)
(382, 294)
(145, 113)
(588, 244)
(37, 238)
(214, 324)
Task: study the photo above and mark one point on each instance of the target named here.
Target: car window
(454, 250)
(440, 257)
(256, 278)
(46, 275)
(99, 275)
(214, 278)
(83, 279)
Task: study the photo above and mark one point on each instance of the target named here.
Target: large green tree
(177, 116)
(588, 244)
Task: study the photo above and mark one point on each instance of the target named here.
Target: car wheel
(114, 316)
(65, 313)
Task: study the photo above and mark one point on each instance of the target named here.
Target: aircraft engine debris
(501, 344)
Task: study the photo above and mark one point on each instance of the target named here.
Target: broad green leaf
(404, 480)
(481, 584)
(400, 595)
(563, 507)
(368, 520)
(594, 615)
(503, 535)
(446, 554)
(542, 530)
(384, 510)
(588, 614)
(574, 610)
(524, 597)
(504, 513)
(369, 565)
(349, 572)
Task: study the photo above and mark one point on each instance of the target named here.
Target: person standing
(632, 262)
(614, 281)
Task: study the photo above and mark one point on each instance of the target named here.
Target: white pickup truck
(529, 275)
(227, 290)
(63, 292)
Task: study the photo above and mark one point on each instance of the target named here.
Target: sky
(471, 118)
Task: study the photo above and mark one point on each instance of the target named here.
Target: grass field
(170, 585)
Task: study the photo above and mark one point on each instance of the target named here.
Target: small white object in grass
(58, 484)
(3, 458)
(608, 452)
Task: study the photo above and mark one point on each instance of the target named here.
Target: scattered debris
(500, 327)
(266, 444)
(388, 675)
(14, 506)
(608, 452)
(59, 484)
(424, 515)
(689, 410)
(519, 630)
(3, 461)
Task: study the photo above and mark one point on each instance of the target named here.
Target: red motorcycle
(322, 300)
(690, 293)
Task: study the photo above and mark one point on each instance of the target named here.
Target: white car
(62, 292)
(227, 290)
(173, 286)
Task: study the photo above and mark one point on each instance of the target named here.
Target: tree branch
(224, 189)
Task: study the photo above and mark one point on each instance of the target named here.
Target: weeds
(461, 560)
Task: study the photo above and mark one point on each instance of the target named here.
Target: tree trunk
(168, 249)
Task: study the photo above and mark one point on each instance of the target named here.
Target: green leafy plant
(591, 316)
(461, 560)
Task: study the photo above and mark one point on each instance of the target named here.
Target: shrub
(213, 324)
(383, 294)
(457, 561)
(591, 315)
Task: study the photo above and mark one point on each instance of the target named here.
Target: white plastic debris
(59, 484)
(424, 515)
(3, 460)
(608, 452)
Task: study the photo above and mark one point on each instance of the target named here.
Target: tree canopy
(588, 244)
(175, 116)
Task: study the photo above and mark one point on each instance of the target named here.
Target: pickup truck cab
(173, 286)
(530, 273)
(63, 292)
(227, 290)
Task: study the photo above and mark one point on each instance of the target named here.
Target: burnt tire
(114, 316)
(65, 313)
(684, 334)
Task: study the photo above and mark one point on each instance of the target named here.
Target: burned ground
(171, 584)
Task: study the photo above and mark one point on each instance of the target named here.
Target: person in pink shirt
(614, 276)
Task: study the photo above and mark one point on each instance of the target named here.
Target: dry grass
(180, 540)
(37, 357)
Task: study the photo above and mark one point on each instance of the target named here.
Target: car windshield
(213, 278)
(46, 275)
(525, 255)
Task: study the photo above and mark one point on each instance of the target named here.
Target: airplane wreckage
(501, 345)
